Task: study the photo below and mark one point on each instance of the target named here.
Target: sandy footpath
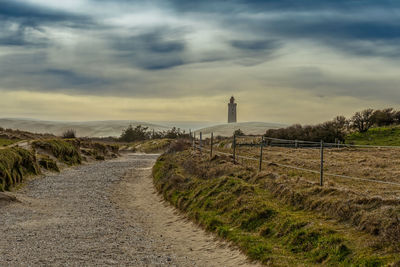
(104, 214)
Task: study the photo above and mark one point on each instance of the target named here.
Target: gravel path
(103, 214)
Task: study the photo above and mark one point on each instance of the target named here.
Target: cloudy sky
(285, 61)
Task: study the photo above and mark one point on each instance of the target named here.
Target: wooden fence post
(321, 179)
(234, 148)
(194, 140)
(200, 141)
(211, 145)
(261, 153)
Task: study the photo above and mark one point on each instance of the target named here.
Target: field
(283, 217)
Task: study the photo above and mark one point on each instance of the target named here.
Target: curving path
(104, 214)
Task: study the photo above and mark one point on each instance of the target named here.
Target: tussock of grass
(48, 164)
(233, 202)
(65, 151)
(153, 146)
(15, 164)
(98, 150)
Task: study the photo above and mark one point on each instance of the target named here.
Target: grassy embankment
(243, 207)
(15, 164)
(18, 163)
(380, 136)
(150, 146)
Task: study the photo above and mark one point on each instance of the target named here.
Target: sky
(285, 61)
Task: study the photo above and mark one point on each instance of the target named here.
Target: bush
(68, 134)
(178, 145)
(139, 133)
(238, 132)
(329, 131)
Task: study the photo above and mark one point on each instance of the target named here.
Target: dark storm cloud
(33, 15)
(248, 33)
(256, 45)
(337, 24)
(73, 79)
(157, 49)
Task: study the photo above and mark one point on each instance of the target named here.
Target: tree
(340, 124)
(238, 132)
(362, 121)
(384, 117)
(131, 134)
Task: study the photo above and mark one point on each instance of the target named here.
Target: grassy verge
(67, 152)
(15, 164)
(380, 136)
(229, 200)
(153, 146)
(7, 142)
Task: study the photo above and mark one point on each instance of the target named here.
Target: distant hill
(247, 127)
(90, 128)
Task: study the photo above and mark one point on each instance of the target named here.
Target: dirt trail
(104, 214)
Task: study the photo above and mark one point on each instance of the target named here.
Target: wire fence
(262, 142)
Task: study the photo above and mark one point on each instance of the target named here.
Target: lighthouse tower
(232, 110)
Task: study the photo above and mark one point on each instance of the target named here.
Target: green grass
(7, 142)
(380, 136)
(153, 146)
(15, 164)
(64, 150)
(250, 216)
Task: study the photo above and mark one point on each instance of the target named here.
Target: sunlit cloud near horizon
(284, 61)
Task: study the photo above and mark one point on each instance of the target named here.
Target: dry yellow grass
(367, 205)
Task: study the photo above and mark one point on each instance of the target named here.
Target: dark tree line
(140, 133)
(339, 127)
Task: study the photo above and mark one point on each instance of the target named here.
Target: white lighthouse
(232, 110)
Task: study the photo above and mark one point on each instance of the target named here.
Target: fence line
(321, 172)
(289, 141)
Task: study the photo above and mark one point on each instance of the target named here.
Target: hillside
(89, 128)
(227, 129)
(380, 136)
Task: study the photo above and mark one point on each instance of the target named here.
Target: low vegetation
(69, 134)
(153, 146)
(380, 136)
(66, 152)
(338, 128)
(140, 133)
(7, 142)
(15, 164)
(278, 222)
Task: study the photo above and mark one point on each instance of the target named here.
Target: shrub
(68, 134)
(178, 145)
(138, 133)
(238, 132)
(329, 131)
